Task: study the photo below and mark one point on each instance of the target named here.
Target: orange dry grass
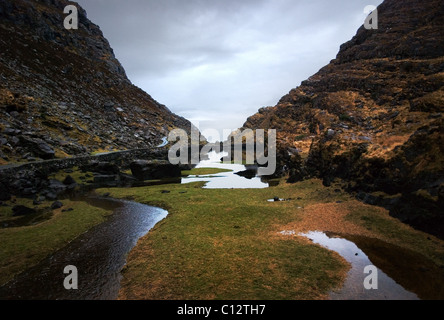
(330, 217)
(392, 142)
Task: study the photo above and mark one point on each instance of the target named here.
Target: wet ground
(99, 255)
(401, 274)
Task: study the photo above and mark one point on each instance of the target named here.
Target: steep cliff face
(373, 116)
(63, 92)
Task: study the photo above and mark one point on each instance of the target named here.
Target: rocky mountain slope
(63, 93)
(373, 116)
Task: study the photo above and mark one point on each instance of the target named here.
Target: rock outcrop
(63, 92)
(373, 117)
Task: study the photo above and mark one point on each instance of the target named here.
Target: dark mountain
(372, 118)
(63, 92)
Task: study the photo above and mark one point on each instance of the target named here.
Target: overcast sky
(216, 62)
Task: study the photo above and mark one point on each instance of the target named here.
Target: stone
(10, 131)
(365, 138)
(435, 116)
(14, 140)
(38, 147)
(56, 186)
(56, 205)
(330, 133)
(294, 151)
(69, 180)
(29, 191)
(108, 106)
(393, 115)
(126, 178)
(50, 196)
(250, 173)
(102, 167)
(150, 170)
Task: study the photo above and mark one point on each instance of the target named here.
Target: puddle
(402, 274)
(225, 180)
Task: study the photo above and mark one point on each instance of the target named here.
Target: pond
(226, 180)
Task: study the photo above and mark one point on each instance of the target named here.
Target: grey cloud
(222, 56)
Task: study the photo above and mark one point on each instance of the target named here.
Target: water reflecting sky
(353, 288)
(225, 180)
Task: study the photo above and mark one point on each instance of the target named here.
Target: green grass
(203, 171)
(217, 244)
(400, 234)
(224, 244)
(24, 247)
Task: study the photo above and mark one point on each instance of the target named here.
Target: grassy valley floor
(233, 243)
(229, 244)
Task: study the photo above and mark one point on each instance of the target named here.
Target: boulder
(126, 178)
(107, 167)
(330, 133)
(38, 147)
(102, 178)
(56, 186)
(50, 195)
(56, 205)
(150, 170)
(69, 181)
(250, 173)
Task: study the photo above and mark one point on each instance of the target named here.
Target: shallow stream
(99, 255)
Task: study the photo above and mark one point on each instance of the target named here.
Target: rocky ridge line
(63, 93)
